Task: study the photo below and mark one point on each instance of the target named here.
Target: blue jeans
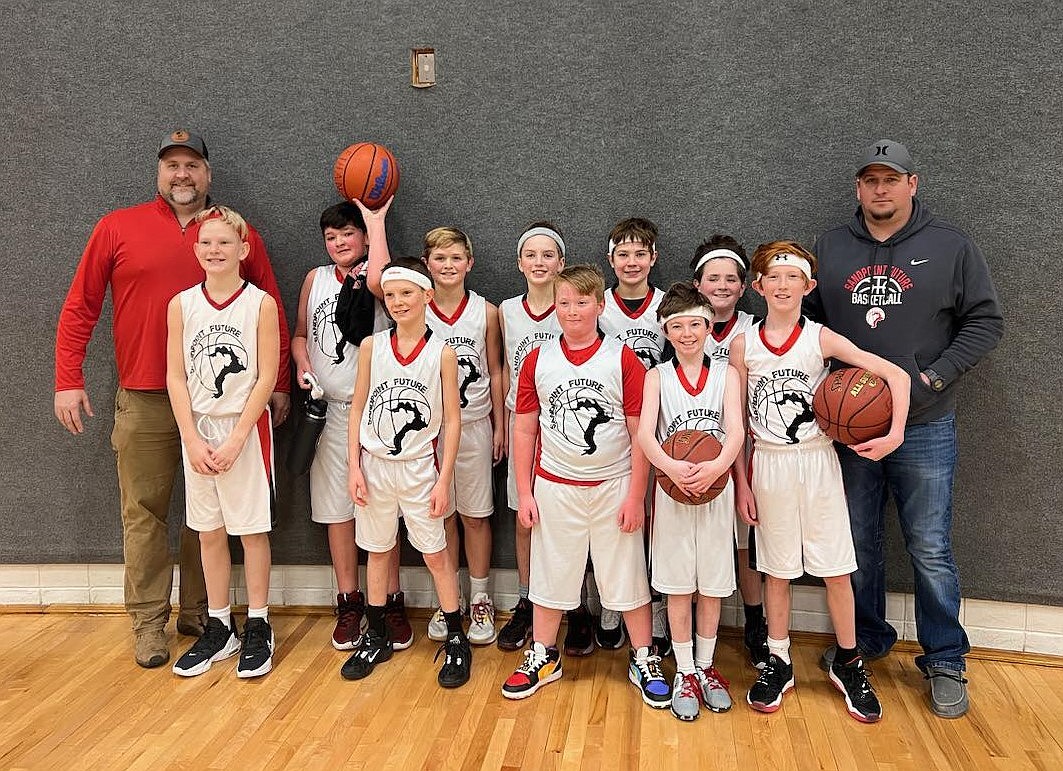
(919, 473)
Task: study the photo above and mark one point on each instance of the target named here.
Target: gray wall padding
(704, 116)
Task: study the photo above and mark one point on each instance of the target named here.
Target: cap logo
(179, 136)
(882, 150)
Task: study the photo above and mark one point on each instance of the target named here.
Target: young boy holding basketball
(581, 484)
(720, 265)
(405, 397)
(336, 311)
(690, 550)
(526, 322)
(800, 511)
(466, 322)
(222, 347)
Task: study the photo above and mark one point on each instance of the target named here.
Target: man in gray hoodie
(903, 284)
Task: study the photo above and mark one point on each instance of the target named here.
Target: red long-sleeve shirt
(146, 257)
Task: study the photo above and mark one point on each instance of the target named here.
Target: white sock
(706, 651)
(262, 613)
(224, 615)
(684, 656)
(780, 648)
(477, 585)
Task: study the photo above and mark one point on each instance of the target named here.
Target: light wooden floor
(72, 697)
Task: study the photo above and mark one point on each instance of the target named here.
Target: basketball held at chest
(692, 446)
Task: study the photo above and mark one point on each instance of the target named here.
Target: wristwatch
(936, 381)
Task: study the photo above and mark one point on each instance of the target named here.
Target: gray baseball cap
(886, 152)
(183, 138)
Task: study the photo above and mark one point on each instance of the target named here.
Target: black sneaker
(775, 679)
(579, 638)
(860, 699)
(216, 643)
(256, 654)
(457, 666)
(756, 642)
(517, 631)
(374, 649)
(610, 630)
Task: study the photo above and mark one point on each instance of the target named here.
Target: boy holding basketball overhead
(800, 511)
(581, 484)
(405, 397)
(690, 547)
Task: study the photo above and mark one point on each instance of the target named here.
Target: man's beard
(183, 196)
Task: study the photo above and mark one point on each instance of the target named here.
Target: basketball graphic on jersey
(577, 412)
(398, 412)
(216, 356)
(645, 347)
(783, 405)
(469, 370)
(327, 335)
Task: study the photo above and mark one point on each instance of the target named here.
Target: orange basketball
(366, 172)
(853, 405)
(696, 447)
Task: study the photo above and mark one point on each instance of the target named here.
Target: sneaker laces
(715, 680)
(256, 635)
(688, 686)
(533, 661)
(650, 667)
(213, 638)
(454, 647)
(480, 610)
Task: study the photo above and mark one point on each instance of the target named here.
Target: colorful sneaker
(714, 693)
(256, 654)
(860, 699)
(457, 666)
(541, 665)
(350, 621)
(644, 671)
(482, 620)
(217, 642)
(437, 626)
(686, 697)
(662, 641)
(399, 629)
(579, 638)
(755, 638)
(610, 632)
(374, 649)
(517, 631)
(775, 679)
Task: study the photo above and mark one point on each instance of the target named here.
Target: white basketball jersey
(639, 330)
(334, 364)
(718, 346)
(524, 332)
(404, 410)
(466, 333)
(582, 426)
(221, 348)
(686, 405)
(781, 383)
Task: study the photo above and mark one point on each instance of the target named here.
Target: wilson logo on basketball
(381, 180)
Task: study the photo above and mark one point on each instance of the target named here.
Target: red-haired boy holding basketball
(800, 511)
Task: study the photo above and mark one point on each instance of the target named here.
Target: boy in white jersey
(336, 311)
(405, 398)
(720, 266)
(581, 484)
(690, 546)
(222, 348)
(800, 511)
(468, 323)
(631, 316)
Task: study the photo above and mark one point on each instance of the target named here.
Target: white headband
(696, 312)
(399, 273)
(613, 244)
(786, 258)
(541, 231)
(720, 253)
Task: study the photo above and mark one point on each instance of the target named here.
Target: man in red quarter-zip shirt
(144, 254)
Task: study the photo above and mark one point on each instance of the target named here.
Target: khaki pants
(147, 448)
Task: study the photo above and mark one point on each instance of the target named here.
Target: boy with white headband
(527, 321)
(801, 516)
(690, 546)
(405, 396)
(720, 266)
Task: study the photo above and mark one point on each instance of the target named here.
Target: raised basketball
(695, 447)
(367, 172)
(853, 405)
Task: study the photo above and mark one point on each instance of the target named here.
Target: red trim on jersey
(533, 316)
(544, 474)
(727, 327)
(638, 311)
(225, 303)
(581, 355)
(527, 396)
(450, 320)
(336, 272)
(265, 440)
(703, 377)
(406, 360)
(796, 333)
(634, 376)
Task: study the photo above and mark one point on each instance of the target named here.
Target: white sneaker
(482, 620)
(437, 627)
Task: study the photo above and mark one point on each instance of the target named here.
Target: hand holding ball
(694, 447)
(853, 405)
